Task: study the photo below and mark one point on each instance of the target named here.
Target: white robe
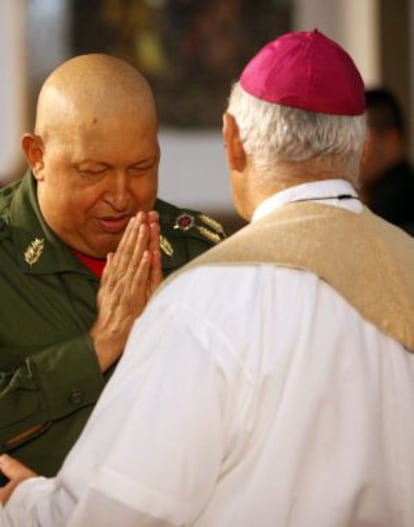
(248, 395)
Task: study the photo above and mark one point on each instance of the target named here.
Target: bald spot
(89, 88)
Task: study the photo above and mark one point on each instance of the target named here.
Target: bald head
(89, 87)
(95, 153)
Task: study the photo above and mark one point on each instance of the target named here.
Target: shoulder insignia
(184, 222)
(34, 251)
(210, 222)
(166, 246)
(209, 234)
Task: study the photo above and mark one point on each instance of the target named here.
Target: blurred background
(190, 51)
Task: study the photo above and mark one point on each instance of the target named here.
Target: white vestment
(248, 396)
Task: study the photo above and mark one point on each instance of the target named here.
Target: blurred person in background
(387, 175)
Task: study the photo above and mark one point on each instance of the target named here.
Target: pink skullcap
(306, 70)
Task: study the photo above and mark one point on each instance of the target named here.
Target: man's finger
(107, 269)
(134, 238)
(141, 246)
(13, 469)
(154, 242)
(139, 283)
(16, 472)
(125, 243)
(155, 272)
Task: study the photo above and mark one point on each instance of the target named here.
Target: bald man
(91, 191)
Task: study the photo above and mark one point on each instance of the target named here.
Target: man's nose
(117, 193)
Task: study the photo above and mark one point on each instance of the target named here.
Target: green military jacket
(49, 373)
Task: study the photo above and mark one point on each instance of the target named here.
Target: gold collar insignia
(209, 234)
(166, 246)
(210, 222)
(34, 251)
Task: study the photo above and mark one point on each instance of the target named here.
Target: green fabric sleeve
(49, 385)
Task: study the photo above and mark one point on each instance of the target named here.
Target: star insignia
(184, 222)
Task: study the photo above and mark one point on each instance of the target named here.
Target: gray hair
(273, 134)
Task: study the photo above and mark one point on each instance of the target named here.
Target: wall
(193, 170)
(352, 23)
(13, 86)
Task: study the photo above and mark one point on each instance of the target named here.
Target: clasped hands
(130, 277)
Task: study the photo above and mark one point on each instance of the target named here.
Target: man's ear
(32, 146)
(236, 155)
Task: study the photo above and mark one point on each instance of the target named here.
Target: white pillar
(34, 38)
(12, 85)
(354, 24)
(48, 36)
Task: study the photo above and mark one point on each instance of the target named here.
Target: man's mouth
(114, 224)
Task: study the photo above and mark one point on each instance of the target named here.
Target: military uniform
(49, 373)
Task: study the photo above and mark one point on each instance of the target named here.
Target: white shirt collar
(309, 191)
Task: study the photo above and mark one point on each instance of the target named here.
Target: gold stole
(365, 259)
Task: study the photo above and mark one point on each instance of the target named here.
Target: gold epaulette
(211, 228)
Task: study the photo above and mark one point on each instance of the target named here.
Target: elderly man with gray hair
(271, 382)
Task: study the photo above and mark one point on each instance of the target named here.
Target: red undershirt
(96, 265)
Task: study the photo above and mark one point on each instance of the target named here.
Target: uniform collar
(39, 250)
(306, 191)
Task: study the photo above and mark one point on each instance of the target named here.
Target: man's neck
(96, 265)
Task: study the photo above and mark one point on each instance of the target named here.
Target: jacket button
(76, 397)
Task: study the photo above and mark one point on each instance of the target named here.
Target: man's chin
(104, 251)
(106, 246)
